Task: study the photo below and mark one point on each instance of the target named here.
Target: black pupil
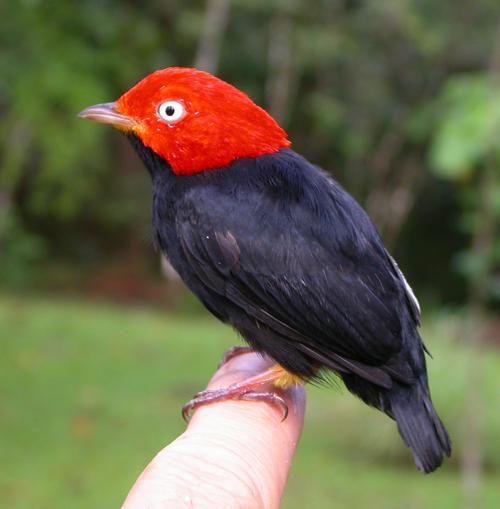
(170, 110)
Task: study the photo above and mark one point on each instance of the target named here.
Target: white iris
(171, 111)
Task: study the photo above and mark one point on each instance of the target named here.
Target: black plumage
(274, 247)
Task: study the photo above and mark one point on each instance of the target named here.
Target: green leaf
(468, 130)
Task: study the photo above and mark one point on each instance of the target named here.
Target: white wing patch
(409, 291)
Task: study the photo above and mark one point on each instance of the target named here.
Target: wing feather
(328, 286)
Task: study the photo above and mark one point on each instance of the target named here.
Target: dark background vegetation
(399, 99)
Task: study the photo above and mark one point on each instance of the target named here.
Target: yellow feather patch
(285, 379)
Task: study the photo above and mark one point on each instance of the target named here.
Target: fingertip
(254, 429)
(238, 368)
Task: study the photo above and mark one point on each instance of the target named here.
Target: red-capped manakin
(278, 249)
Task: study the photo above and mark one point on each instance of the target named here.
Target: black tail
(419, 424)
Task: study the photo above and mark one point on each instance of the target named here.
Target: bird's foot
(245, 390)
(233, 352)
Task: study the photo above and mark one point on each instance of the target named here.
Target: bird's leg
(233, 352)
(248, 389)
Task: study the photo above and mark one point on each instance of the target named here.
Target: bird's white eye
(171, 111)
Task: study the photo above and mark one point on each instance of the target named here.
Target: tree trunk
(281, 71)
(214, 26)
(482, 247)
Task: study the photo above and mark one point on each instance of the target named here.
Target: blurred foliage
(393, 96)
(399, 99)
(465, 150)
(469, 129)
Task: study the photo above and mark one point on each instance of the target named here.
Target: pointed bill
(107, 113)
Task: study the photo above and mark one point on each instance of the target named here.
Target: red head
(193, 120)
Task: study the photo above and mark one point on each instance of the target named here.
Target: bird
(275, 247)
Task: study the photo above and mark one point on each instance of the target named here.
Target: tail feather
(419, 425)
(408, 401)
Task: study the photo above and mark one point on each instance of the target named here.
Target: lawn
(89, 392)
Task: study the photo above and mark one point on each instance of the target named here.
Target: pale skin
(233, 454)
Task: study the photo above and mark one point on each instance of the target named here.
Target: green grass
(89, 393)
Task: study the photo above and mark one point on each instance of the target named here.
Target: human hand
(233, 454)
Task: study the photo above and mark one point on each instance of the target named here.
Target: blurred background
(398, 99)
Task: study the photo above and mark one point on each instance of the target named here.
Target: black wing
(318, 276)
